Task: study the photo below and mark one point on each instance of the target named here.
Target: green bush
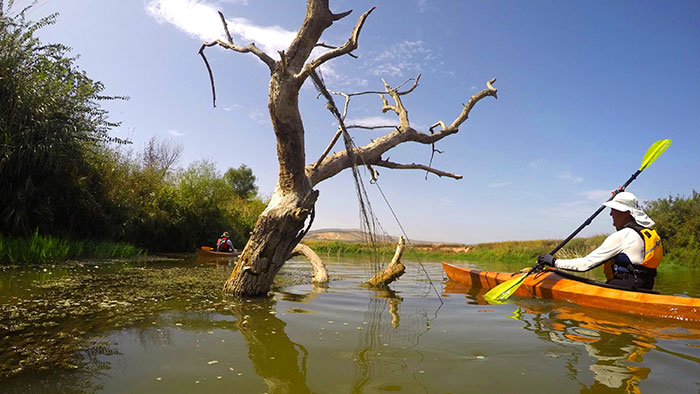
(50, 124)
(678, 223)
(62, 176)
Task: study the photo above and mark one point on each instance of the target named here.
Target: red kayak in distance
(209, 252)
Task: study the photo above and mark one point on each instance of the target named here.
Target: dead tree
(320, 273)
(282, 225)
(392, 271)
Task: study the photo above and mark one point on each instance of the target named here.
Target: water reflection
(615, 343)
(386, 343)
(278, 360)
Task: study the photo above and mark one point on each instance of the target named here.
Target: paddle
(501, 292)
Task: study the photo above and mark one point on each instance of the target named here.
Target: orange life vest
(653, 251)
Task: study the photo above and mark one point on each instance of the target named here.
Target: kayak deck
(550, 285)
(208, 251)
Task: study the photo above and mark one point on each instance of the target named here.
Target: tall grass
(525, 252)
(528, 251)
(40, 249)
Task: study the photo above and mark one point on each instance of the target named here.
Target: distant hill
(355, 236)
(344, 235)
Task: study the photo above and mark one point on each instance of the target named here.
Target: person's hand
(619, 189)
(546, 260)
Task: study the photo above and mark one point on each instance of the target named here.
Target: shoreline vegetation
(40, 249)
(508, 251)
(524, 252)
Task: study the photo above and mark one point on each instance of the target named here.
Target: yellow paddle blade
(503, 291)
(654, 151)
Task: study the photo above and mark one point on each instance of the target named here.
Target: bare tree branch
(341, 15)
(414, 166)
(248, 48)
(324, 45)
(329, 147)
(359, 126)
(415, 84)
(370, 154)
(223, 22)
(349, 46)
(230, 45)
(489, 91)
(211, 75)
(320, 272)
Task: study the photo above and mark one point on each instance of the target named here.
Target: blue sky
(584, 89)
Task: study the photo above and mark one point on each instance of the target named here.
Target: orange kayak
(553, 284)
(208, 251)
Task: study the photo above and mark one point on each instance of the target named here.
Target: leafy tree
(51, 127)
(678, 222)
(173, 211)
(242, 181)
(60, 175)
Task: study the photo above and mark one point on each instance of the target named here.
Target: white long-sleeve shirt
(625, 241)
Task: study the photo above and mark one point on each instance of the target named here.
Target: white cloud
(232, 107)
(373, 121)
(536, 164)
(568, 176)
(407, 57)
(497, 185)
(200, 19)
(596, 195)
(176, 133)
(568, 209)
(259, 116)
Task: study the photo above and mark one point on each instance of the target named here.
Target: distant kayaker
(224, 244)
(630, 255)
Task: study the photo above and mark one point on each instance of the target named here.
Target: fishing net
(371, 228)
(369, 225)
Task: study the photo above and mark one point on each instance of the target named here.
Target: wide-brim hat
(627, 202)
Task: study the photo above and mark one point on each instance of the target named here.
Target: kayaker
(630, 255)
(224, 244)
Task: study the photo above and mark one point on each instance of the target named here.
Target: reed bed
(41, 249)
(508, 251)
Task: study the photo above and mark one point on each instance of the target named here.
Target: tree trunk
(281, 226)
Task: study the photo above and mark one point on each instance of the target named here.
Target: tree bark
(320, 272)
(392, 271)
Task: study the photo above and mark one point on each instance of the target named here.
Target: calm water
(165, 328)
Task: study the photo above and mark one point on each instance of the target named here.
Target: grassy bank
(511, 251)
(524, 252)
(39, 249)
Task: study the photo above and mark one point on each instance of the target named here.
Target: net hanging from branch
(368, 221)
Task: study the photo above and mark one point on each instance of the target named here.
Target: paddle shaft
(590, 218)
